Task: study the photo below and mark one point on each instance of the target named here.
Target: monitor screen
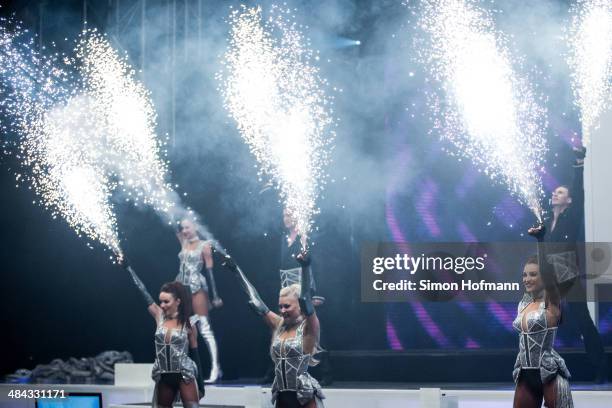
(72, 400)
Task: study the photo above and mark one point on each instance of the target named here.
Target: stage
(367, 395)
(134, 388)
(365, 174)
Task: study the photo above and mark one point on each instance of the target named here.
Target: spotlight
(343, 42)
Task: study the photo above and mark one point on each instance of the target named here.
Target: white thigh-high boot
(211, 343)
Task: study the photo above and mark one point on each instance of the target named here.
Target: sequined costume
(190, 275)
(292, 381)
(190, 270)
(291, 368)
(536, 351)
(174, 362)
(171, 353)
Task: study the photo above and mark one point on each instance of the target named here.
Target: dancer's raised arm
(306, 305)
(255, 301)
(153, 308)
(547, 272)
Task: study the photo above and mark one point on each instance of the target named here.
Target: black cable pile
(87, 370)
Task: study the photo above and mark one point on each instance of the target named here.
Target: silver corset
(536, 343)
(190, 269)
(291, 368)
(172, 356)
(289, 277)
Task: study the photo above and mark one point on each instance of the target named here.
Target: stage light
(343, 42)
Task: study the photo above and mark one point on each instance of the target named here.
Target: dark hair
(179, 291)
(532, 259)
(569, 190)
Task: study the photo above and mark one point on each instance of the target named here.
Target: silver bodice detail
(290, 277)
(171, 353)
(190, 269)
(536, 343)
(291, 368)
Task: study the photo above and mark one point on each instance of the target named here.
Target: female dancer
(177, 363)
(295, 338)
(194, 254)
(539, 371)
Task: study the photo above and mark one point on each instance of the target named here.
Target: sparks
(483, 108)
(123, 109)
(590, 59)
(51, 123)
(87, 135)
(133, 152)
(74, 180)
(277, 98)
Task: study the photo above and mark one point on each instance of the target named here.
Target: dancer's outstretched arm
(258, 305)
(312, 321)
(153, 308)
(577, 190)
(547, 273)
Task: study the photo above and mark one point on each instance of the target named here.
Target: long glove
(141, 287)
(306, 291)
(579, 154)
(255, 301)
(212, 286)
(195, 356)
(547, 274)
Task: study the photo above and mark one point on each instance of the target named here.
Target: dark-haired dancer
(540, 372)
(194, 256)
(565, 228)
(177, 364)
(295, 339)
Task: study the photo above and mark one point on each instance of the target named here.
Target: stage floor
(493, 386)
(340, 395)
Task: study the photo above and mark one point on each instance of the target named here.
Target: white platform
(134, 389)
(115, 396)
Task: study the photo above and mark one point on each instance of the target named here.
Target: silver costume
(190, 270)
(564, 264)
(291, 368)
(171, 353)
(290, 277)
(190, 275)
(536, 351)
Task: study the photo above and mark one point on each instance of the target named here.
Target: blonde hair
(291, 290)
